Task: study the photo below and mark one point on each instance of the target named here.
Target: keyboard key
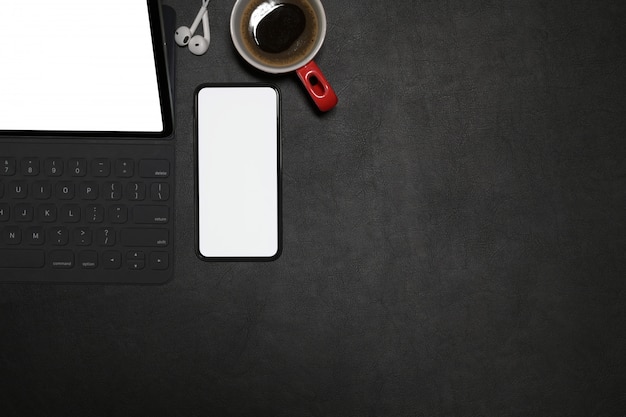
(65, 190)
(151, 214)
(34, 235)
(145, 237)
(12, 235)
(59, 236)
(47, 213)
(136, 260)
(4, 212)
(30, 167)
(118, 214)
(62, 259)
(7, 166)
(88, 190)
(111, 259)
(53, 167)
(42, 190)
(136, 265)
(160, 191)
(124, 168)
(18, 189)
(94, 213)
(154, 168)
(1, 189)
(135, 255)
(24, 212)
(21, 258)
(159, 260)
(78, 167)
(70, 213)
(88, 259)
(105, 236)
(82, 236)
(136, 191)
(112, 191)
(101, 167)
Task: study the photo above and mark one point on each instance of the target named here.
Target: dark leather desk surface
(454, 237)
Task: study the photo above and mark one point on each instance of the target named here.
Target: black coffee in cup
(279, 33)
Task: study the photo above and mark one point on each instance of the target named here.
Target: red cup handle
(316, 84)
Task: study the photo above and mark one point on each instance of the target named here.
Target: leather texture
(454, 237)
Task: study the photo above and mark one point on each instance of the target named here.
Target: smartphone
(238, 172)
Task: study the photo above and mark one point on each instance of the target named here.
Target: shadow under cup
(280, 36)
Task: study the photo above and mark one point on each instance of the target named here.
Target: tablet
(83, 68)
(238, 172)
(87, 148)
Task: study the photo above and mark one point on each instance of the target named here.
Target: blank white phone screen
(238, 172)
(78, 65)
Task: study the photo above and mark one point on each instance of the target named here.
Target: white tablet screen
(78, 65)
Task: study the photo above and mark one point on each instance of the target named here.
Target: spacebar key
(145, 237)
(15, 258)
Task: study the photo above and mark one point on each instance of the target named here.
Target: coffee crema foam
(300, 47)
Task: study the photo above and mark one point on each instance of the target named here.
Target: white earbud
(183, 34)
(198, 45)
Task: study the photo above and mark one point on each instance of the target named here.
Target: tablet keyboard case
(88, 210)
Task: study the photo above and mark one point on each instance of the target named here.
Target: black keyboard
(86, 213)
